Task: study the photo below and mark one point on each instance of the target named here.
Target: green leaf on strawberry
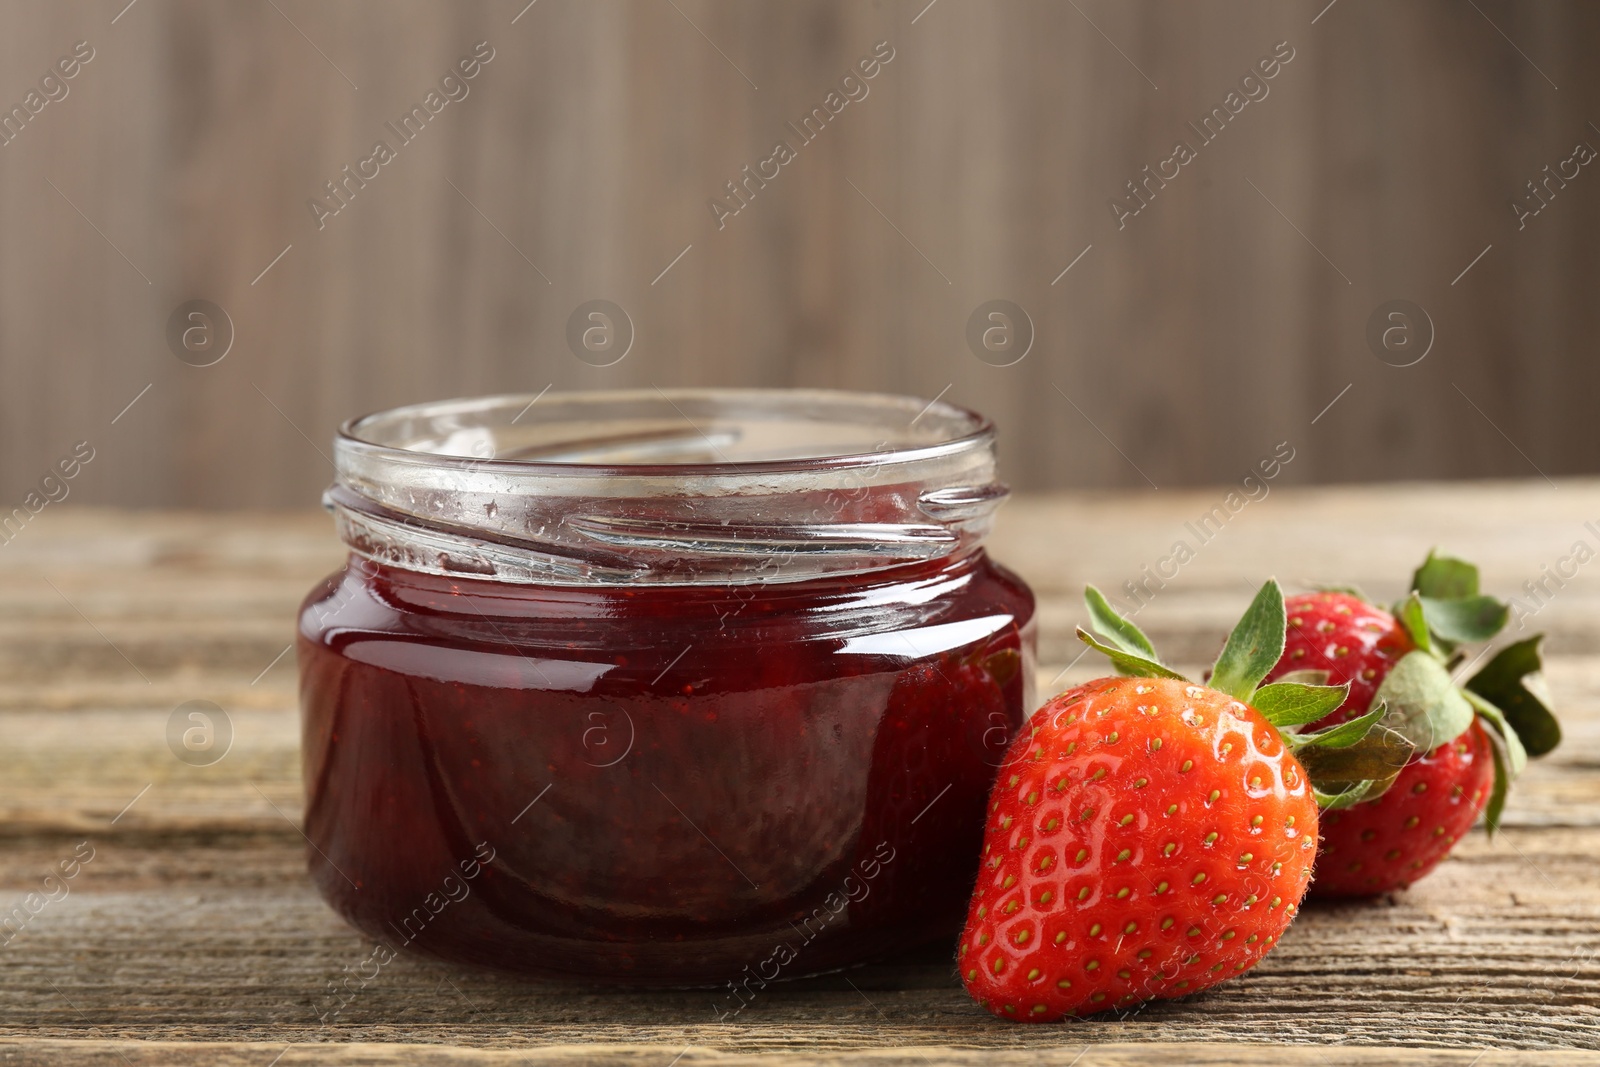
(1425, 706)
(1255, 644)
(1503, 682)
(1455, 613)
(1295, 703)
(1345, 798)
(1414, 617)
(1372, 764)
(1503, 774)
(1363, 757)
(1127, 662)
(1465, 619)
(1501, 733)
(1510, 758)
(1346, 733)
(1118, 631)
(1445, 577)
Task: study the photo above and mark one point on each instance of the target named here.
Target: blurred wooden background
(1179, 350)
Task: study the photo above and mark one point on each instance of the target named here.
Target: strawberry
(1390, 842)
(1352, 640)
(1470, 741)
(1149, 837)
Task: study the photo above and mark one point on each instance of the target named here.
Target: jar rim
(978, 431)
(617, 486)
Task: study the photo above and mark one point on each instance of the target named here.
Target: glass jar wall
(661, 689)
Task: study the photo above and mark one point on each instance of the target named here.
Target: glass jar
(660, 688)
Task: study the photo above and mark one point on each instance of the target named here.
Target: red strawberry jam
(658, 785)
(675, 688)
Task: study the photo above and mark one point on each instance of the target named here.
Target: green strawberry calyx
(1347, 763)
(1444, 611)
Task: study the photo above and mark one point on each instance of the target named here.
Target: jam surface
(658, 785)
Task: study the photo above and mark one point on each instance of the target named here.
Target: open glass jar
(660, 688)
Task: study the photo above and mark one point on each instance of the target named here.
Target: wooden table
(193, 936)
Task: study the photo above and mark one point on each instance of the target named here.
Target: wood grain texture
(979, 166)
(95, 1053)
(193, 936)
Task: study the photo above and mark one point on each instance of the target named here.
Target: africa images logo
(1252, 87)
(452, 87)
(851, 88)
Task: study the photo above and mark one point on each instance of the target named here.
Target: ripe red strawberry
(1149, 837)
(1399, 660)
(1127, 861)
(1394, 840)
(1352, 640)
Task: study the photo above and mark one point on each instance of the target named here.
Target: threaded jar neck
(684, 487)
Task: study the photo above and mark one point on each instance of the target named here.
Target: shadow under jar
(660, 689)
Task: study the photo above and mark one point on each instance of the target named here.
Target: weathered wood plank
(95, 1053)
(1499, 947)
(194, 922)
